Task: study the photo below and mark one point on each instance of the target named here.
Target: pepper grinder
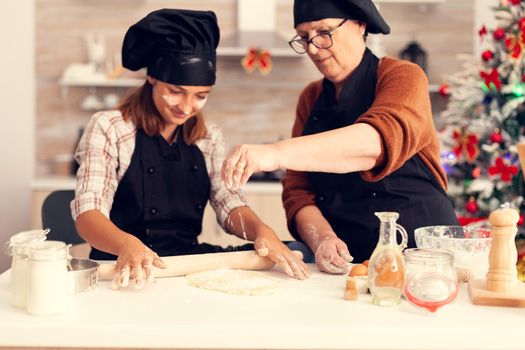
(501, 287)
(503, 275)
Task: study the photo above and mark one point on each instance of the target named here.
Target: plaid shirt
(104, 154)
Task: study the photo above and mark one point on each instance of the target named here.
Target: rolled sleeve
(296, 195)
(402, 117)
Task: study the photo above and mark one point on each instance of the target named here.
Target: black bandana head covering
(359, 10)
(176, 46)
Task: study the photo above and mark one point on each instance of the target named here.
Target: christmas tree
(485, 118)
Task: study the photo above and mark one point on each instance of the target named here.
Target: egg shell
(359, 270)
(351, 291)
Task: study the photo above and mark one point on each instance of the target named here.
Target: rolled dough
(234, 281)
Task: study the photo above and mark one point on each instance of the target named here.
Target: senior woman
(363, 140)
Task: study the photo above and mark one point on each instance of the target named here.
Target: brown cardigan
(402, 115)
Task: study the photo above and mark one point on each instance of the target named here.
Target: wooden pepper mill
(501, 287)
(503, 275)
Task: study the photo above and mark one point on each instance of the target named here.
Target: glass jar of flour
(17, 247)
(48, 278)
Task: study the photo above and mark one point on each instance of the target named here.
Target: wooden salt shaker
(503, 275)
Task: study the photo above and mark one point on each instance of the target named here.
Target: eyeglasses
(322, 40)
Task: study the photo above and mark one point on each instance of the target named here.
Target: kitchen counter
(263, 197)
(307, 314)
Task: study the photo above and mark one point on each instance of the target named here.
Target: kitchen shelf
(239, 43)
(101, 82)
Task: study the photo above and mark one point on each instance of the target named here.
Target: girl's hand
(135, 261)
(268, 244)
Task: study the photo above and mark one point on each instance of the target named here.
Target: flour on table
(234, 281)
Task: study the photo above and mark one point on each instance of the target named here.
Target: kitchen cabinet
(263, 197)
(309, 314)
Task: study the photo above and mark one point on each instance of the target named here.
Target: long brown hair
(138, 106)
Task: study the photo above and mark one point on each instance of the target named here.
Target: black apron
(162, 196)
(346, 200)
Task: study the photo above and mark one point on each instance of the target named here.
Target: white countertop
(69, 183)
(307, 314)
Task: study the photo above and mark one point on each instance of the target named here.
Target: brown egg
(359, 270)
(366, 262)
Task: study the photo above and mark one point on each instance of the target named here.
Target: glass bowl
(470, 246)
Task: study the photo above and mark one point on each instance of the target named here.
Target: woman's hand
(244, 160)
(268, 244)
(135, 261)
(332, 255)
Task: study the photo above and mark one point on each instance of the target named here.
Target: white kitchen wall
(484, 16)
(17, 101)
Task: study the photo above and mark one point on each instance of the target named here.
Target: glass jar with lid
(17, 247)
(48, 278)
(431, 280)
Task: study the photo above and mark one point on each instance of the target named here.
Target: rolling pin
(185, 264)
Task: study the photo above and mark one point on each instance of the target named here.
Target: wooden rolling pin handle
(186, 264)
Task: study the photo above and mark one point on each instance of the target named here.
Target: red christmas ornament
(467, 145)
(443, 90)
(521, 220)
(515, 2)
(487, 55)
(496, 136)
(472, 206)
(476, 172)
(506, 171)
(499, 34)
(491, 78)
(482, 32)
(257, 58)
(521, 23)
(514, 45)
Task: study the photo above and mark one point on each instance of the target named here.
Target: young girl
(148, 168)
